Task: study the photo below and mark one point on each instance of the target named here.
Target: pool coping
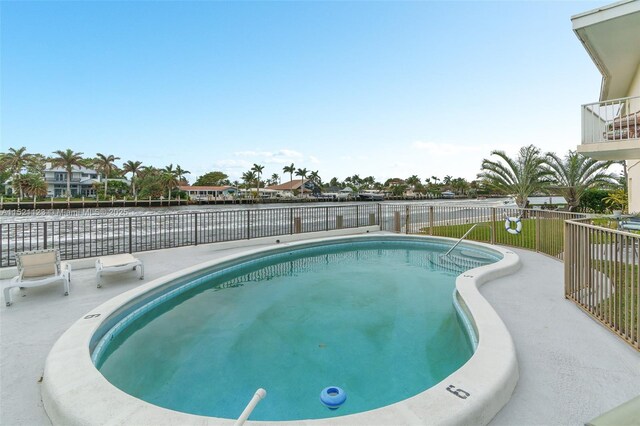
(75, 393)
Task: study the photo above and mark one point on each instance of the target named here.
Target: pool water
(374, 318)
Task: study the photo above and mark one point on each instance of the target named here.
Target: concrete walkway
(571, 368)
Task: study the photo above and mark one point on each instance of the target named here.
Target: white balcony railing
(616, 120)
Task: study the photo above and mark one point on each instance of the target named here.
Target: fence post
(195, 228)
(291, 220)
(406, 220)
(357, 216)
(537, 232)
(130, 236)
(326, 218)
(493, 225)
(431, 220)
(380, 215)
(248, 224)
(567, 258)
(45, 235)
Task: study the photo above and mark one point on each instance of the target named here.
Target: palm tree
(576, 173)
(169, 181)
(169, 169)
(257, 169)
(105, 165)
(303, 174)
(289, 169)
(15, 160)
(275, 179)
(36, 164)
(521, 177)
(369, 182)
(134, 168)
(412, 180)
(248, 177)
(460, 185)
(355, 180)
(315, 178)
(180, 172)
(67, 159)
(34, 185)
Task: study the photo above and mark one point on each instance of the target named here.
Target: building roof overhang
(611, 35)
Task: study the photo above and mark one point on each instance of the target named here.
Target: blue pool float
(333, 397)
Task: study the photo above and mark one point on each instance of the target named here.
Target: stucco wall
(634, 88)
(633, 166)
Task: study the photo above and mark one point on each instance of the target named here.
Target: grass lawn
(621, 308)
(550, 237)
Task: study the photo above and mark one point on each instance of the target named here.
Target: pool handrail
(257, 397)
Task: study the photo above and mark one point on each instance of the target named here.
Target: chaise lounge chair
(36, 268)
(117, 263)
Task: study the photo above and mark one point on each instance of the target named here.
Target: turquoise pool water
(375, 318)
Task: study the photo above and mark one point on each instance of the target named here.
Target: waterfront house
(611, 126)
(395, 182)
(208, 193)
(293, 187)
(82, 182)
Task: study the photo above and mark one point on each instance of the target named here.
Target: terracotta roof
(204, 188)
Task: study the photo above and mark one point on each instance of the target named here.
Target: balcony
(611, 129)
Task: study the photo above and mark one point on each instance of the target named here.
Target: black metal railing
(90, 237)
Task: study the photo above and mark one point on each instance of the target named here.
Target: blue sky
(388, 89)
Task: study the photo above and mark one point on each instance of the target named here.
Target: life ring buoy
(507, 225)
(333, 397)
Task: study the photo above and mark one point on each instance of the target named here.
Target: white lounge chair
(39, 267)
(117, 263)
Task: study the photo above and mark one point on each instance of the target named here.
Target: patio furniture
(117, 263)
(631, 223)
(36, 268)
(625, 127)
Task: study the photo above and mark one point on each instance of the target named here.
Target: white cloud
(290, 153)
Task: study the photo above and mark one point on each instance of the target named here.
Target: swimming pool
(294, 323)
(353, 312)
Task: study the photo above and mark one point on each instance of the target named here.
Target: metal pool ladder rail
(460, 240)
(257, 397)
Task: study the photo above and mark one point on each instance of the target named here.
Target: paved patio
(571, 368)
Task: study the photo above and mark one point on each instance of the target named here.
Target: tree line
(26, 172)
(529, 173)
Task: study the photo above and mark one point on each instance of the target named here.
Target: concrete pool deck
(571, 368)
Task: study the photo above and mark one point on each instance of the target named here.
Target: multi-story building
(611, 126)
(82, 180)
